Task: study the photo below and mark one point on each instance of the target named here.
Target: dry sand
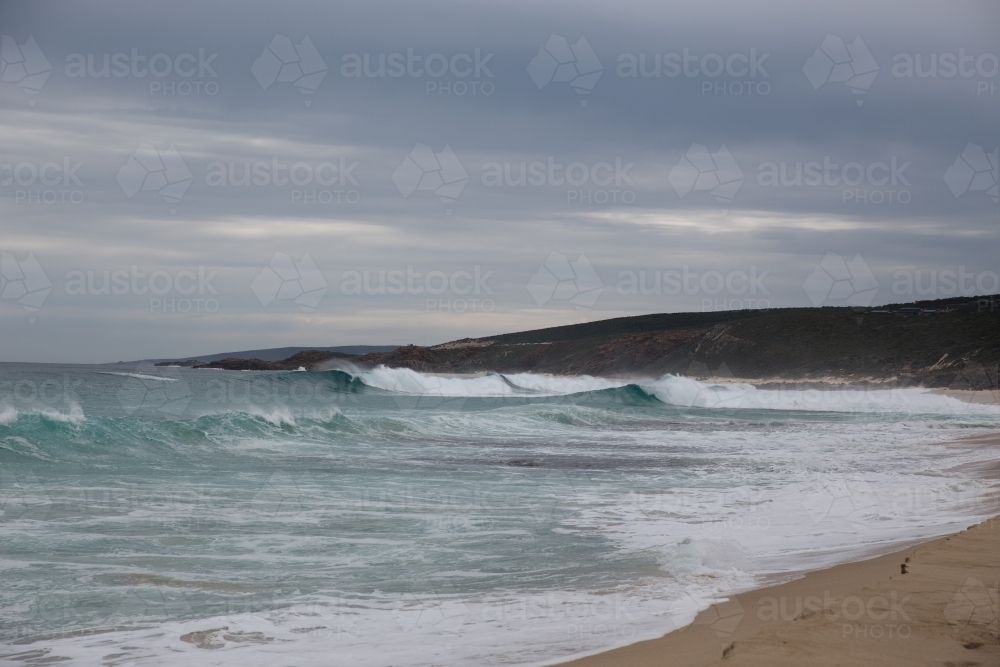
(942, 611)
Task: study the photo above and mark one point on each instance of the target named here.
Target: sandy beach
(930, 604)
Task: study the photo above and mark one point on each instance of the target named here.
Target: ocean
(164, 515)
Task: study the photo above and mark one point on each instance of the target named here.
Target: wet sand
(930, 604)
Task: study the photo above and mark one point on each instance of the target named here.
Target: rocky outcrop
(308, 359)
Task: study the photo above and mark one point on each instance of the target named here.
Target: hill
(945, 343)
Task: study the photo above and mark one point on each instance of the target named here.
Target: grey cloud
(346, 137)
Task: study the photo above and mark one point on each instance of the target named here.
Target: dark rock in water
(236, 364)
(308, 359)
(187, 362)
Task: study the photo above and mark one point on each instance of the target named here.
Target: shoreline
(931, 603)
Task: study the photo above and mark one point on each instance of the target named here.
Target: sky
(189, 178)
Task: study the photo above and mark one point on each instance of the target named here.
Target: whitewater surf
(169, 515)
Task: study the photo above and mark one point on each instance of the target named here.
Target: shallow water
(178, 516)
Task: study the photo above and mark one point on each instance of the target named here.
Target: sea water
(160, 516)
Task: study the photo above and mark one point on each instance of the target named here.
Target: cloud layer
(418, 166)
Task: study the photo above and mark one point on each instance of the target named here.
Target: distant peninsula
(943, 343)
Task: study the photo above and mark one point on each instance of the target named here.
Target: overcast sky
(511, 166)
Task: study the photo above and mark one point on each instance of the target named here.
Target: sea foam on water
(392, 517)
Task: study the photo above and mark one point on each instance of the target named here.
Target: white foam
(142, 376)
(562, 385)
(73, 415)
(408, 632)
(406, 381)
(790, 494)
(834, 492)
(685, 392)
(8, 414)
(677, 391)
(278, 416)
(828, 496)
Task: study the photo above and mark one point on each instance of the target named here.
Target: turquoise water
(167, 515)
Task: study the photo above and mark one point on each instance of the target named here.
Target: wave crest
(73, 415)
(406, 381)
(672, 390)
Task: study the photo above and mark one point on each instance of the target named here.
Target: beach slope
(932, 604)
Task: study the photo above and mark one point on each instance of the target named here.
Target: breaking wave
(674, 391)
